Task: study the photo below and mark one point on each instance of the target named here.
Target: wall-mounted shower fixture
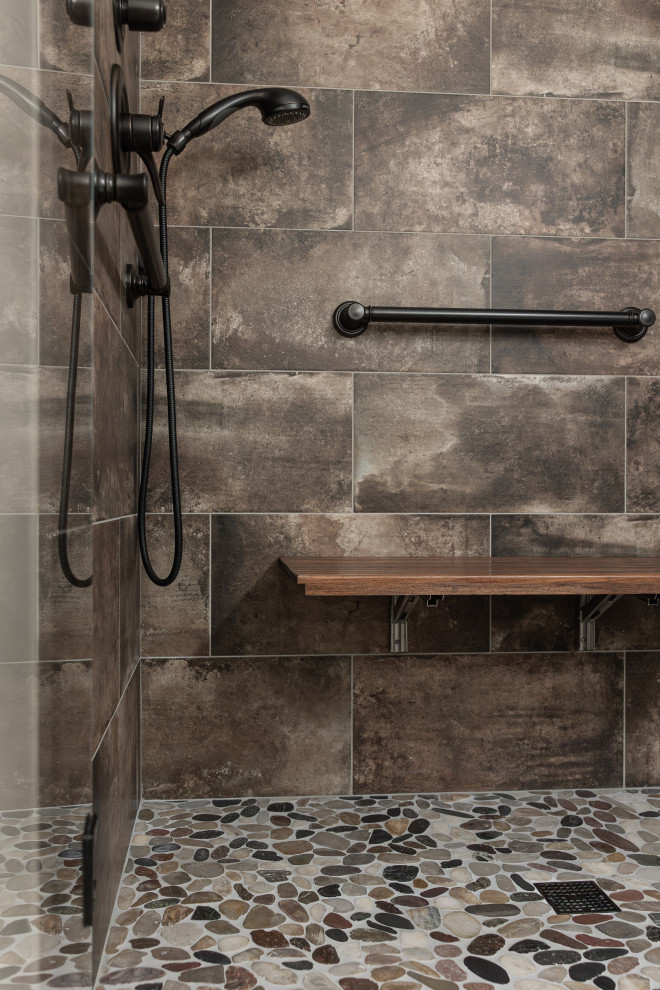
(144, 135)
(137, 15)
(352, 318)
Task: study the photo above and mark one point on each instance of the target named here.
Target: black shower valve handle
(142, 15)
(144, 133)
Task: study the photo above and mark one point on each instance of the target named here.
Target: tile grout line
(210, 580)
(210, 40)
(625, 688)
(353, 170)
(352, 728)
(210, 368)
(625, 170)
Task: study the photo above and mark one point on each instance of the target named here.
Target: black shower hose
(69, 422)
(171, 409)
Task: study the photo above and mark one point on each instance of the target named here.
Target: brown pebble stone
(486, 945)
(604, 943)
(450, 970)
(382, 958)
(293, 846)
(622, 965)
(591, 919)
(627, 895)
(560, 938)
(371, 935)
(397, 826)
(401, 985)
(175, 913)
(269, 939)
(287, 890)
(233, 908)
(181, 967)
(294, 910)
(334, 920)
(168, 953)
(443, 937)
(447, 951)
(222, 928)
(409, 900)
(144, 943)
(49, 924)
(383, 973)
(238, 978)
(326, 954)
(352, 983)
(378, 893)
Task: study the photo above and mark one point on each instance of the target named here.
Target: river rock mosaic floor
(42, 938)
(388, 893)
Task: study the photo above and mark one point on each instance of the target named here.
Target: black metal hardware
(81, 12)
(88, 868)
(137, 15)
(352, 318)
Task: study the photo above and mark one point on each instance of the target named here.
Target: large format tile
(643, 444)
(643, 179)
(116, 789)
(488, 165)
(467, 443)
(42, 761)
(65, 611)
(182, 50)
(487, 721)
(130, 569)
(30, 160)
(642, 719)
(256, 442)
(394, 44)
(175, 619)
(106, 589)
(609, 48)
(19, 33)
(274, 293)
(258, 609)
(19, 587)
(19, 283)
(190, 274)
(243, 174)
(116, 416)
(63, 45)
(550, 623)
(543, 273)
(253, 722)
(56, 301)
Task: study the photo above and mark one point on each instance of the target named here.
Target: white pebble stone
(653, 973)
(318, 910)
(182, 934)
(462, 924)
(513, 962)
(348, 969)
(461, 875)
(633, 981)
(556, 974)
(318, 981)
(274, 973)
(535, 909)
(363, 903)
(410, 938)
(232, 943)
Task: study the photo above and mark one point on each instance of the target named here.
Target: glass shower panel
(45, 616)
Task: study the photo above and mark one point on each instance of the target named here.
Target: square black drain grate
(584, 897)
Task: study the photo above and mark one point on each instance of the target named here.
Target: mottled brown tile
(243, 174)
(175, 619)
(29, 162)
(65, 611)
(116, 788)
(106, 624)
(182, 50)
(275, 292)
(643, 179)
(39, 704)
(393, 44)
(19, 280)
(62, 44)
(642, 719)
(643, 444)
(262, 747)
(256, 442)
(106, 269)
(130, 321)
(549, 720)
(258, 609)
(129, 598)
(64, 700)
(541, 273)
(56, 301)
(557, 47)
(31, 444)
(190, 273)
(116, 415)
(534, 623)
(18, 587)
(19, 35)
(482, 164)
(467, 443)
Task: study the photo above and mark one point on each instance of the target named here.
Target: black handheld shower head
(278, 107)
(35, 108)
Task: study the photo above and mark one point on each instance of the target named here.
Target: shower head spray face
(278, 108)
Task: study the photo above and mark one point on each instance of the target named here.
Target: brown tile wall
(430, 173)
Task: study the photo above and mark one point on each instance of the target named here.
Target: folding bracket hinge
(592, 607)
(400, 608)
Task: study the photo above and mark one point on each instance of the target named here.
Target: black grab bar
(352, 318)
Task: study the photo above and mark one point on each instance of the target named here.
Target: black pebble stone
(330, 890)
(378, 836)
(143, 861)
(302, 833)
(237, 843)
(205, 818)
(205, 913)
(403, 888)
(653, 933)
(226, 802)
(418, 826)
(401, 873)
(231, 817)
(279, 807)
(299, 964)
(521, 882)
(251, 811)
(219, 958)
(209, 833)
(529, 945)
(557, 957)
(272, 857)
(582, 972)
(201, 855)
(605, 983)
(337, 934)
(571, 821)
(449, 863)
(394, 920)
(371, 819)
(149, 986)
(602, 955)
(486, 969)
(256, 844)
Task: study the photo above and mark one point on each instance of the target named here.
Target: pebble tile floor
(42, 939)
(393, 892)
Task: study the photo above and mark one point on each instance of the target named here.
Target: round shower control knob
(138, 15)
